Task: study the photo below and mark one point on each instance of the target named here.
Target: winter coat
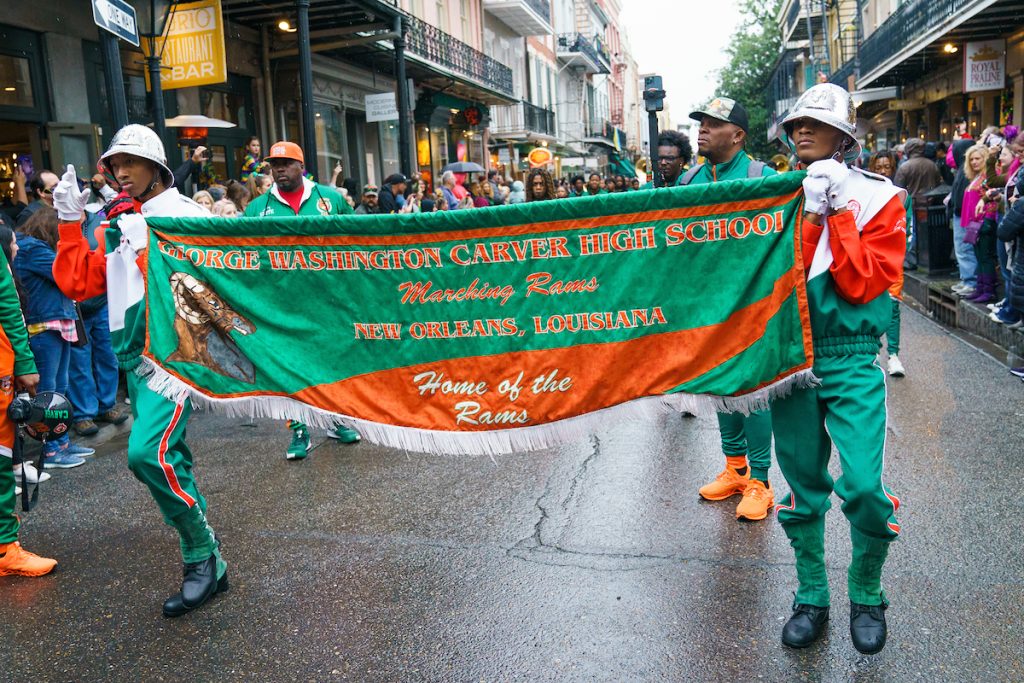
(1012, 228)
(386, 200)
(918, 174)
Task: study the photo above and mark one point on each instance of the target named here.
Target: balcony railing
(841, 76)
(794, 27)
(600, 128)
(541, 7)
(521, 119)
(525, 17)
(577, 43)
(781, 92)
(911, 21)
(433, 44)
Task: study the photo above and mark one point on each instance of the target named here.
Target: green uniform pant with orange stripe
(749, 435)
(9, 522)
(8, 500)
(160, 459)
(847, 409)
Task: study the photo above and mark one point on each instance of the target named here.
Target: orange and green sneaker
(15, 560)
(757, 501)
(728, 483)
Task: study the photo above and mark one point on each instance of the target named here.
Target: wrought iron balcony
(522, 121)
(434, 45)
(794, 26)
(600, 131)
(526, 17)
(841, 76)
(576, 50)
(782, 90)
(912, 21)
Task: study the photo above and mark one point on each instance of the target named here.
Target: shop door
(355, 164)
(23, 107)
(19, 146)
(76, 144)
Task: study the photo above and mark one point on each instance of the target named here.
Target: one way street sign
(118, 17)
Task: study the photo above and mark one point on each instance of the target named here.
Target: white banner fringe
(493, 442)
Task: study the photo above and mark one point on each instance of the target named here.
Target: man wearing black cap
(720, 140)
(746, 439)
(394, 185)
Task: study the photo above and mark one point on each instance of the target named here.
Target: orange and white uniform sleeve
(867, 262)
(80, 272)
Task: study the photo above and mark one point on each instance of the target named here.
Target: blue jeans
(1004, 257)
(966, 259)
(53, 356)
(93, 370)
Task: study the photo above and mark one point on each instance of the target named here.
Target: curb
(932, 293)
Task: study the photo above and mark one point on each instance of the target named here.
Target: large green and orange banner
(487, 330)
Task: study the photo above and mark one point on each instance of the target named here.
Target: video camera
(44, 417)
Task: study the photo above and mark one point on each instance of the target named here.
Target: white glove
(68, 199)
(107, 192)
(838, 176)
(816, 195)
(135, 231)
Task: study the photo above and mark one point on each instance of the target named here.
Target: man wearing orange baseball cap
(292, 194)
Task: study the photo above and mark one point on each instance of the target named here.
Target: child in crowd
(51, 320)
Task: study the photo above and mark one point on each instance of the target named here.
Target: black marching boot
(804, 626)
(198, 585)
(867, 627)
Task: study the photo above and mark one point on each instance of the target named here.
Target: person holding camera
(157, 453)
(17, 373)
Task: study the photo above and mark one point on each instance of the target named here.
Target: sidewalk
(932, 294)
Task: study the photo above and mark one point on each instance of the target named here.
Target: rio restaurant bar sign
(193, 50)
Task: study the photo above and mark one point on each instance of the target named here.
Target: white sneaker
(896, 368)
(32, 475)
(966, 292)
(958, 287)
(997, 305)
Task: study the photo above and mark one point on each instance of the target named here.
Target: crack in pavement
(535, 541)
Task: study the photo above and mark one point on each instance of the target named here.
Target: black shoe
(867, 627)
(200, 583)
(805, 626)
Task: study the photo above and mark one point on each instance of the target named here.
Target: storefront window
(329, 131)
(439, 148)
(15, 82)
(423, 156)
(227, 106)
(217, 170)
(389, 149)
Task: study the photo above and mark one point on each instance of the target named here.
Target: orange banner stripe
(597, 371)
(481, 233)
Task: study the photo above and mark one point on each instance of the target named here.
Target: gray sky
(684, 42)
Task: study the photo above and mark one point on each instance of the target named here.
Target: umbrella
(463, 167)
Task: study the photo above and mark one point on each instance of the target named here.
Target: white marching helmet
(832, 105)
(139, 141)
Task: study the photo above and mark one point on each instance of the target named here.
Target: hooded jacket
(918, 174)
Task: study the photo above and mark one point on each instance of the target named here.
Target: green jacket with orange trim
(12, 322)
(317, 200)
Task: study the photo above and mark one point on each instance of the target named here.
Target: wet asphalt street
(594, 562)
